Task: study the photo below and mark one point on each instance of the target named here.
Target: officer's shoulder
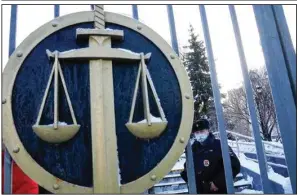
(217, 141)
(216, 144)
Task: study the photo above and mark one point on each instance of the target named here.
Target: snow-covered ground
(242, 182)
(253, 166)
(274, 148)
(248, 191)
(287, 186)
(277, 178)
(179, 165)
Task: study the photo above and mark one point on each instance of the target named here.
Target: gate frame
(282, 77)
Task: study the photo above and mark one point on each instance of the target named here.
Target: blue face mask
(201, 137)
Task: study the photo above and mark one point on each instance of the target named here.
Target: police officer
(208, 161)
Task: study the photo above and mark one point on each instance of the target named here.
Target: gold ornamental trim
(38, 173)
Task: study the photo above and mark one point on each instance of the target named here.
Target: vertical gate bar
(252, 109)
(172, 29)
(12, 45)
(13, 29)
(287, 46)
(218, 106)
(192, 188)
(56, 11)
(135, 12)
(7, 172)
(280, 86)
(92, 7)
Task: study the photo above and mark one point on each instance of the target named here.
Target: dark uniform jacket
(209, 167)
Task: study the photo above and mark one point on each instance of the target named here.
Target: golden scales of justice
(98, 52)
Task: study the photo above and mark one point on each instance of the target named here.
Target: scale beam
(103, 53)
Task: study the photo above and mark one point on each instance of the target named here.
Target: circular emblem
(96, 102)
(206, 163)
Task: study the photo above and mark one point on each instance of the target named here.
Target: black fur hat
(200, 125)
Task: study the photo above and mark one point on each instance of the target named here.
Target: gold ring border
(39, 174)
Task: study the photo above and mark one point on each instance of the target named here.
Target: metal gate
(280, 59)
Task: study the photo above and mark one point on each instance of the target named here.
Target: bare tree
(236, 107)
(236, 112)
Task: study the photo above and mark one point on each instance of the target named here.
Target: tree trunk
(267, 137)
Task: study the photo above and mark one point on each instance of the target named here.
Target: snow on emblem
(206, 163)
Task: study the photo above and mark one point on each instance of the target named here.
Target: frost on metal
(93, 29)
(52, 53)
(119, 176)
(129, 51)
(85, 29)
(59, 123)
(119, 171)
(153, 119)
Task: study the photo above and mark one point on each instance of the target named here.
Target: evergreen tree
(196, 64)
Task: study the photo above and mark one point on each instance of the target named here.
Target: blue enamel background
(72, 160)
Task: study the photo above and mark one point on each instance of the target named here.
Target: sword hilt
(99, 17)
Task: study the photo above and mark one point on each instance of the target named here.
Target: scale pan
(144, 131)
(51, 135)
